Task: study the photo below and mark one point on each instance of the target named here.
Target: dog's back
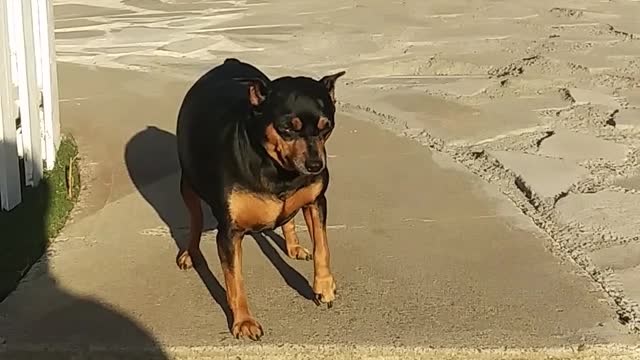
(230, 69)
(208, 115)
(218, 87)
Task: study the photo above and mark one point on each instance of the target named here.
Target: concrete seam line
(287, 351)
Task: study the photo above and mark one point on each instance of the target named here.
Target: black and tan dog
(254, 150)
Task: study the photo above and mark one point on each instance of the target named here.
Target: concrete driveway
(444, 222)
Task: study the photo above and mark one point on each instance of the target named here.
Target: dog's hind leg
(185, 258)
(294, 250)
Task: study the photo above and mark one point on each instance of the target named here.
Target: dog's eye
(291, 124)
(324, 126)
(286, 129)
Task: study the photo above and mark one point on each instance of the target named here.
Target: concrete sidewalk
(425, 253)
(455, 121)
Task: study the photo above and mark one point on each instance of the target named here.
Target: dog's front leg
(324, 285)
(229, 244)
(294, 250)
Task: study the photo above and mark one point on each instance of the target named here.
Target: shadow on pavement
(150, 156)
(290, 275)
(40, 320)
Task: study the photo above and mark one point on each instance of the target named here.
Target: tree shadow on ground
(39, 319)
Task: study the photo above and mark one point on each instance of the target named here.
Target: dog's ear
(329, 82)
(258, 89)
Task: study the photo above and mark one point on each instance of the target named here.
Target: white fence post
(28, 90)
(10, 193)
(27, 64)
(49, 80)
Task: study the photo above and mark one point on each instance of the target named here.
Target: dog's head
(299, 114)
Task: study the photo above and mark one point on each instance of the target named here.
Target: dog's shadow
(152, 162)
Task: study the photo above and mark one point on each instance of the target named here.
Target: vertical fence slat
(10, 194)
(27, 64)
(49, 80)
(35, 21)
(28, 92)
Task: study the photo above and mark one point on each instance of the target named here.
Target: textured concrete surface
(631, 182)
(546, 177)
(628, 117)
(338, 352)
(617, 257)
(606, 209)
(426, 254)
(594, 97)
(580, 147)
(449, 260)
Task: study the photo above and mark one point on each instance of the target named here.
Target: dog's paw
(184, 260)
(299, 253)
(248, 327)
(325, 290)
(187, 259)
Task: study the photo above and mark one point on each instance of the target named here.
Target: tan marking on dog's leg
(294, 250)
(308, 219)
(230, 253)
(324, 285)
(192, 201)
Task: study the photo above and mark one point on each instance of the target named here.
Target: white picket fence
(29, 115)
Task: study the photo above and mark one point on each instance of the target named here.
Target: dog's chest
(250, 211)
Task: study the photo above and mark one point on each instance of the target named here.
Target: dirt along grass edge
(26, 230)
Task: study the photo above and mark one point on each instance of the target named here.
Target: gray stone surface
(628, 117)
(630, 281)
(547, 177)
(579, 147)
(632, 96)
(594, 97)
(609, 209)
(453, 120)
(624, 262)
(631, 182)
(618, 257)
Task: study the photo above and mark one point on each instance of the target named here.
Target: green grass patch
(26, 230)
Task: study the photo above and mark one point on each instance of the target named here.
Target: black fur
(220, 134)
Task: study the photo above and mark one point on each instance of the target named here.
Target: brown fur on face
(292, 154)
(323, 122)
(319, 144)
(296, 123)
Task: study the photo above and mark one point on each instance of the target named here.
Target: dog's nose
(313, 165)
